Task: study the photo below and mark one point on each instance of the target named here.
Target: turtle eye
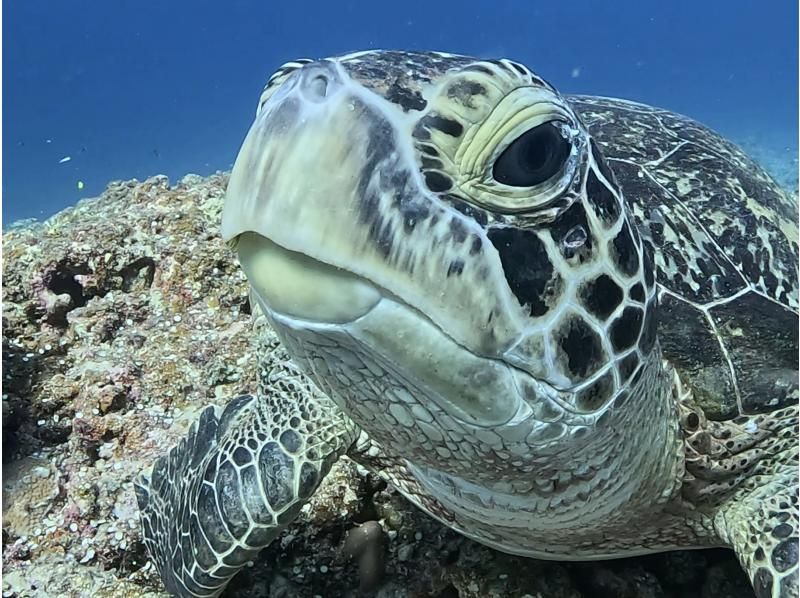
(532, 158)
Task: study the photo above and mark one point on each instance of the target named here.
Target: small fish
(65, 159)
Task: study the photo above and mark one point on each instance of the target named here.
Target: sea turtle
(565, 326)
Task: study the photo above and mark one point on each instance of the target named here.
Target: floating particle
(80, 184)
(65, 159)
(576, 72)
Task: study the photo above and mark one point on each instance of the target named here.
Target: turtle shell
(725, 237)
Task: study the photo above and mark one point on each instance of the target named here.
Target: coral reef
(122, 317)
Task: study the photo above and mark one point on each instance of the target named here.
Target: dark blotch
(602, 164)
(476, 246)
(456, 267)
(458, 229)
(406, 98)
(420, 132)
(447, 126)
(437, 182)
(428, 150)
(464, 92)
(628, 365)
(479, 68)
(625, 329)
(604, 202)
(637, 292)
(477, 214)
(649, 264)
(692, 421)
(582, 347)
(624, 249)
(597, 394)
(526, 266)
(569, 220)
(429, 163)
(601, 296)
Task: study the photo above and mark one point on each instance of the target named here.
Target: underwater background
(97, 90)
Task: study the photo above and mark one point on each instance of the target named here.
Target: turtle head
(438, 238)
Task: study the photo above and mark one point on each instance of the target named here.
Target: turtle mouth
(301, 287)
(301, 293)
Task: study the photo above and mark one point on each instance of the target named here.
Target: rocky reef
(122, 317)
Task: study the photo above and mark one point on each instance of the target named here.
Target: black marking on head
(602, 164)
(582, 347)
(458, 230)
(464, 92)
(420, 133)
(637, 292)
(519, 68)
(448, 126)
(406, 98)
(431, 163)
(782, 530)
(477, 214)
(625, 329)
(527, 267)
(599, 195)
(478, 68)
(628, 365)
(596, 394)
(477, 245)
(456, 267)
(428, 149)
(623, 248)
(650, 329)
(382, 173)
(601, 296)
(437, 182)
(570, 220)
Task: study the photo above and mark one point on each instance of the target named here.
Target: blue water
(131, 89)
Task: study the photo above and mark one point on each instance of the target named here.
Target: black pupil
(533, 157)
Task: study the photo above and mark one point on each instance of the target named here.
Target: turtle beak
(290, 193)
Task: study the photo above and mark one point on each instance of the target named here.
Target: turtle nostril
(318, 87)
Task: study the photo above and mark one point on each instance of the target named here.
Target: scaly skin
(237, 480)
(442, 246)
(742, 475)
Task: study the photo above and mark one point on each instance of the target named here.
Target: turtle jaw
(297, 286)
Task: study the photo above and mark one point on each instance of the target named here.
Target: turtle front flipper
(234, 483)
(757, 456)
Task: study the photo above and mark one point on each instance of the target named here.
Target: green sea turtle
(565, 326)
